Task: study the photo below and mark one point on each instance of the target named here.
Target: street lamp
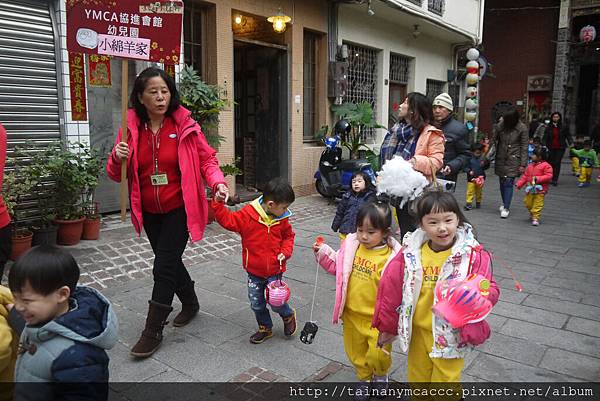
(279, 20)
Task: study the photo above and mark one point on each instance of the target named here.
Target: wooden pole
(123, 187)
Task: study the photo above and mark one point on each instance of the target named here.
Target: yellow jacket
(8, 345)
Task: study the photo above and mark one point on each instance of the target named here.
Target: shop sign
(539, 83)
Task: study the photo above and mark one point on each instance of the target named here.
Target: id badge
(159, 179)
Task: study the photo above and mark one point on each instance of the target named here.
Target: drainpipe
(332, 29)
(481, 16)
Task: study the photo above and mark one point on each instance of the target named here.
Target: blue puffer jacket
(347, 210)
(65, 359)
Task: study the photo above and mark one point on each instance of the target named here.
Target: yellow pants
(534, 203)
(423, 370)
(585, 174)
(575, 165)
(474, 191)
(360, 344)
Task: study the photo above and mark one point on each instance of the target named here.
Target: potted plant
(361, 118)
(15, 188)
(93, 165)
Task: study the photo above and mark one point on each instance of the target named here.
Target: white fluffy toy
(399, 179)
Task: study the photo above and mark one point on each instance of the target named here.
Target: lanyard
(155, 141)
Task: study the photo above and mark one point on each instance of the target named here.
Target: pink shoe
(535, 222)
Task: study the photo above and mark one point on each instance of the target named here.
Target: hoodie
(65, 359)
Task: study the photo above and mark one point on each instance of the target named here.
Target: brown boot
(152, 334)
(189, 305)
(289, 324)
(263, 333)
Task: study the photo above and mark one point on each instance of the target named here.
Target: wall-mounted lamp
(279, 20)
(370, 11)
(416, 32)
(238, 19)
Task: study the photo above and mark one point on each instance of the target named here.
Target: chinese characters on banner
(99, 68)
(77, 83)
(131, 29)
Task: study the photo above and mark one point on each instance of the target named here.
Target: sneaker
(586, 184)
(289, 325)
(468, 206)
(263, 333)
(576, 174)
(535, 222)
(478, 205)
(501, 208)
(379, 386)
(581, 185)
(361, 392)
(554, 183)
(504, 213)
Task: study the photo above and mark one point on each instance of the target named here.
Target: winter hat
(444, 100)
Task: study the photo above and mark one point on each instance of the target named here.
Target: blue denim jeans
(506, 190)
(258, 303)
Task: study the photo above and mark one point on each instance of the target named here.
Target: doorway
(587, 95)
(261, 112)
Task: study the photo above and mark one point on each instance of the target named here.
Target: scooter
(334, 176)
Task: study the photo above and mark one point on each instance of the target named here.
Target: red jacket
(197, 162)
(262, 241)
(542, 171)
(4, 217)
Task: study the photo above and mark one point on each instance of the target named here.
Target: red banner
(77, 84)
(99, 68)
(132, 29)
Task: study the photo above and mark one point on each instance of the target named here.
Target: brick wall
(518, 43)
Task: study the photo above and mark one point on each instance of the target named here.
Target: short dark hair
(511, 118)
(587, 142)
(279, 190)
(541, 152)
(439, 202)
(476, 146)
(46, 268)
(420, 111)
(140, 84)
(378, 213)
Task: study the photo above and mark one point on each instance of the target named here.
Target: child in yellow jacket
(8, 346)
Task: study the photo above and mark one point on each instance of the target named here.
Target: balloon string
(504, 264)
(319, 241)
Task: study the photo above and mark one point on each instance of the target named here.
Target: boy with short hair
(267, 243)
(67, 332)
(475, 176)
(587, 160)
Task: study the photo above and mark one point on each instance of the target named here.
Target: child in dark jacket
(537, 177)
(475, 176)
(68, 328)
(267, 242)
(361, 193)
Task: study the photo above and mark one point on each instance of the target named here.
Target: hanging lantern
(473, 67)
(471, 104)
(471, 91)
(279, 20)
(470, 116)
(472, 54)
(472, 79)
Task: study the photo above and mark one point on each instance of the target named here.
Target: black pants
(5, 247)
(406, 220)
(168, 237)
(555, 159)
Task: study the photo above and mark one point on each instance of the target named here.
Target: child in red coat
(537, 177)
(267, 242)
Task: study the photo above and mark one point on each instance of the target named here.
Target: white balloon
(470, 116)
(472, 54)
(470, 104)
(471, 91)
(473, 64)
(472, 79)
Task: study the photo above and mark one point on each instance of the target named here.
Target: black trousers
(555, 159)
(168, 237)
(5, 247)
(406, 220)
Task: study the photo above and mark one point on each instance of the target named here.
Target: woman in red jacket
(168, 162)
(5, 229)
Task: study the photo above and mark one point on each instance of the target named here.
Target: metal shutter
(29, 101)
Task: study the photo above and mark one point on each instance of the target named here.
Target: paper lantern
(472, 54)
(471, 104)
(472, 79)
(471, 91)
(473, 67)
(470, 116)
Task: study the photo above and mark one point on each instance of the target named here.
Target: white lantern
(470, 116)
(471, 91)
(472, 79)
(471, 104)
(473, 67)
(472, 54)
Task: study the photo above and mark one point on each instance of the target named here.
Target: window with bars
(454, 92)
(311, 41)
(436, 6)
(417, 2)
(362, 77)
(434, 88)
(193, 26)
(399, 68)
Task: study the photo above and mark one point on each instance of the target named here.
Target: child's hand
(318, 243)
(471, 173)
(281, 257)
(385, 338)
(9, 307)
